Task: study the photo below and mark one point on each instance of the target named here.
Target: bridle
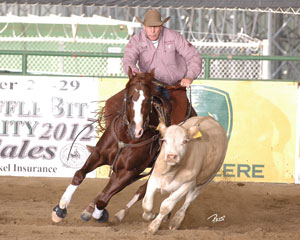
(146, 125)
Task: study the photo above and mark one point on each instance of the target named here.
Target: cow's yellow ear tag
(198, 134)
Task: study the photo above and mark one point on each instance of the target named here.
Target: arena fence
(215, 67)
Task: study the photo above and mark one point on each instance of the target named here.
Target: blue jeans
(163, 91)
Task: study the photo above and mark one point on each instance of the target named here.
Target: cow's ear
(162, 128)
(194, 132)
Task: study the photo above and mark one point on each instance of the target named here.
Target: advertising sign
(297, 155)
(40, 120)
(260, 121)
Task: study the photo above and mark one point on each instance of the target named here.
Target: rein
(94, 121)
(190, 106)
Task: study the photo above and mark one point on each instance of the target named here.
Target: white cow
(190, 158)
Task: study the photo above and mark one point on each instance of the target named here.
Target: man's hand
(134, 71)
(186, 82)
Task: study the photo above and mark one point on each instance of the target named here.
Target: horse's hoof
(86, 216)
(58, 214)
(104, 217)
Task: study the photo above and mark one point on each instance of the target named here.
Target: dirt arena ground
(249, 211)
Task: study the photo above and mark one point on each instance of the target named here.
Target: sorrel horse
(129, 145)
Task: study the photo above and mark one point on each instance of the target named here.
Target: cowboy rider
(170, 54)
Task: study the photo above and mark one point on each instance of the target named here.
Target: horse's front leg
(117, 182)
(93, 161)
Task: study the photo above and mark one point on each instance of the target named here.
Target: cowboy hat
(152, 19)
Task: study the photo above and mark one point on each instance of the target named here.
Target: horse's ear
(130, 74)
(152, 72)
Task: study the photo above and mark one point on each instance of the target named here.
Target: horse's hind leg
(93, 161)
(140, 193)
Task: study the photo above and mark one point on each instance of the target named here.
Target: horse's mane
(100, 118)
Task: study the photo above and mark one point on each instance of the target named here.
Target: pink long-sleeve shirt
(174, 58)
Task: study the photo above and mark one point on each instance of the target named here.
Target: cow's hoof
(86, 216)
(119, 216)
(58, 214)
(176, 222)
(152, 230)
(153, 227)
(148, 216)
(105, 216)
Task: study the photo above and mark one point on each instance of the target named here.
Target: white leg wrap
(97, 214)
(67, 196)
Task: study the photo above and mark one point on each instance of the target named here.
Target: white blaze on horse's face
(138, 116)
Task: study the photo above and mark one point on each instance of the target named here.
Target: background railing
(215, 67)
